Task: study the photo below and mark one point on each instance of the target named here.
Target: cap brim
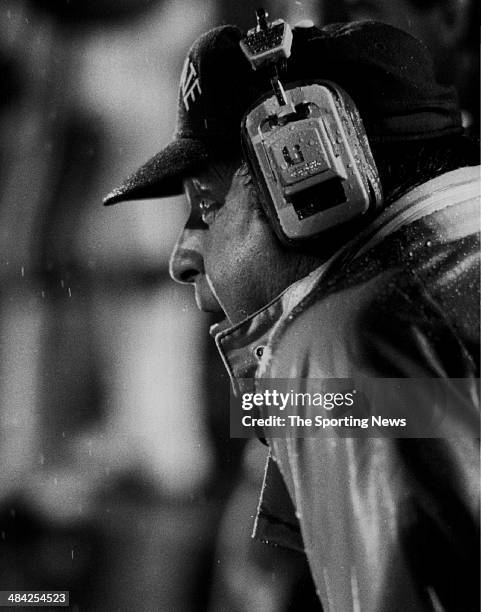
(163, 174)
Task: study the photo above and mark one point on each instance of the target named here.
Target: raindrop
(428, 243)
(410, 253)
(23, 271)
(69, 292)
(71, 552)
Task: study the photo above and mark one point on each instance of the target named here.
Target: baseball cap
(388, 73)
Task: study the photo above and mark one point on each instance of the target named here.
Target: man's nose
(186, 261)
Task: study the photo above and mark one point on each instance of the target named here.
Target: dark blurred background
(118, 481)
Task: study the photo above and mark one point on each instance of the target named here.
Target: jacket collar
(243, 346)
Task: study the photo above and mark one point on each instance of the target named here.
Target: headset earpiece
(305, 145)
(314, 163)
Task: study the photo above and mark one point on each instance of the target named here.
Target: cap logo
(189, 84)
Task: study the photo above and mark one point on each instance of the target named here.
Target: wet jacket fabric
(387, 524)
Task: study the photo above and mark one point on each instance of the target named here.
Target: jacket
(387, 524)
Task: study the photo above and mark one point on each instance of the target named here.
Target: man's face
(227, 250)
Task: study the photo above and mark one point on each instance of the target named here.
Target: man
(386, 524)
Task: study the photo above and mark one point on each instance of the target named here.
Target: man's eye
(208, 211)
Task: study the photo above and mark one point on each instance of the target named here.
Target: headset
(305, 145)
